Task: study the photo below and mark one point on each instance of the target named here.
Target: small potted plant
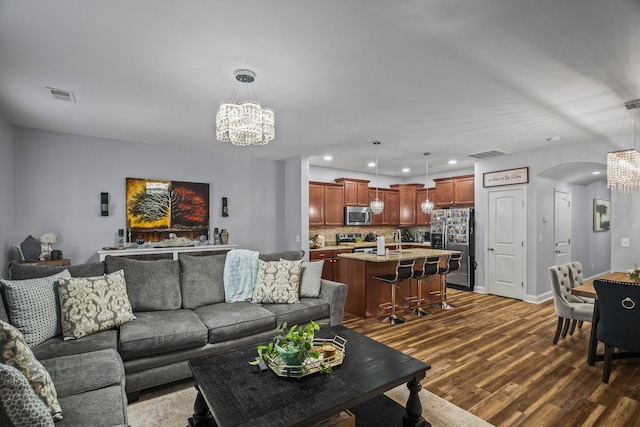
(293, 345)
(634, 273)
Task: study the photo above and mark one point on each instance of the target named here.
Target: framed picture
(601, 214)
(156, 208)
(506, 177)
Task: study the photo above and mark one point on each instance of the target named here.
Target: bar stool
(453, 264)
(429, 268)
(404, 271)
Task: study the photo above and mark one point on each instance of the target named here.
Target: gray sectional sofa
(180, 312)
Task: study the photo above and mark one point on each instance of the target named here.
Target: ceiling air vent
(61, 94)
(485, 154)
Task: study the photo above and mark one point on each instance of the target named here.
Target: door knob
(491, 249)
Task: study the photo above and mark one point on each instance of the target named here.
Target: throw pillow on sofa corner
(311, 280)
(17, 353)
(92, 304)
(33, 306)
(278, 282)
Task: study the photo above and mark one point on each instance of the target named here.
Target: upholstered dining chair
(619, 304)
(568, 307)
(576, 278)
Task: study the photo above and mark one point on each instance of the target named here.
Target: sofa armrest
(334, 293)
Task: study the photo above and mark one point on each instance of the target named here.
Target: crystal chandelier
(427, 205)
(623, 167)
(246, 122)
(377, 205)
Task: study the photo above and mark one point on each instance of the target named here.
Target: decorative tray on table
(311, 365)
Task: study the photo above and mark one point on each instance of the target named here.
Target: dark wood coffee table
(234, 393)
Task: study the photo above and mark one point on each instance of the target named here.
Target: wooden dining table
(588, 290)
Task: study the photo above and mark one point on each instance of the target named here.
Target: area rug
(173, 405)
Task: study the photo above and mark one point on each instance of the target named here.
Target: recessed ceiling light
(595, 173)
(553, 138)
(327, 158)
(453, 162)
(371, 164)
(405, 170)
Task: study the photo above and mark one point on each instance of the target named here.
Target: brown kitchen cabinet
(421, 195)
(455, 191)
(391, 212)
(325, 204)
(408, 198)
(356, 191)
(331, 267)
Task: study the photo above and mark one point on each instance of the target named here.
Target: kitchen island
(365, 293)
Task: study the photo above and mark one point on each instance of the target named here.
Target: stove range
(347, 237)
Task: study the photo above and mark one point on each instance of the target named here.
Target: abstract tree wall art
(156, 207)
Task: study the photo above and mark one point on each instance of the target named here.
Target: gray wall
(59, 178)
(7, 196)
(539, 192)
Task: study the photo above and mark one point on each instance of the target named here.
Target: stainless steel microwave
(357, 215)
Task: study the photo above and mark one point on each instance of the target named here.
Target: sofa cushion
(294, 314)
(311, 280)
(278, 282)
(15, 352)
(92, 304)
(19, 404)
(19, 271)
(79, 373)
(57, 346)
(201, 280)
(107, 408)
(277, 256)
(227, 321)
(33, 306)
(156, 332)
(151, 285)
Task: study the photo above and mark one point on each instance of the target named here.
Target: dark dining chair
(619, 304)
(568, 306)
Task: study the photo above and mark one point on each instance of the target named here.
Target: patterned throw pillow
(19, 403)
(278, 282)
(92, 304)
(311, 279)
(15, 352)
(33, 307)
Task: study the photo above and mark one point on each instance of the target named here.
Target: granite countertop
(395, 256)
(366, 245)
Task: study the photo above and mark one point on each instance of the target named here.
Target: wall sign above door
(506, 177)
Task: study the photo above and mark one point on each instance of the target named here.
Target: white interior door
(562, 227)
(506, 263)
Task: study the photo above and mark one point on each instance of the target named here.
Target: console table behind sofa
(155, 253)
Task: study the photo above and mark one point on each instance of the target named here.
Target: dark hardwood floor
(494, 357)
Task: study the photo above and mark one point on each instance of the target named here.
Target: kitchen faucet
(397, 237)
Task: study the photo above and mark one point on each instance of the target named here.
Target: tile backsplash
(330, 233)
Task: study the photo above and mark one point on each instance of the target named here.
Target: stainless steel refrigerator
(452, 229)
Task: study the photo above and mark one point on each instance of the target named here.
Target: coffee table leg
(201, 414)
(413, 417)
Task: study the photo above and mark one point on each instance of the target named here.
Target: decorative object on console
(246, 122)
(224, 236)
(56, 255)
(30, 249)
(377, 205)
(623, 167)
(47, 240)
(427, 205)
(156, 207)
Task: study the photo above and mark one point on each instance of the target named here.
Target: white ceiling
(451, 77)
